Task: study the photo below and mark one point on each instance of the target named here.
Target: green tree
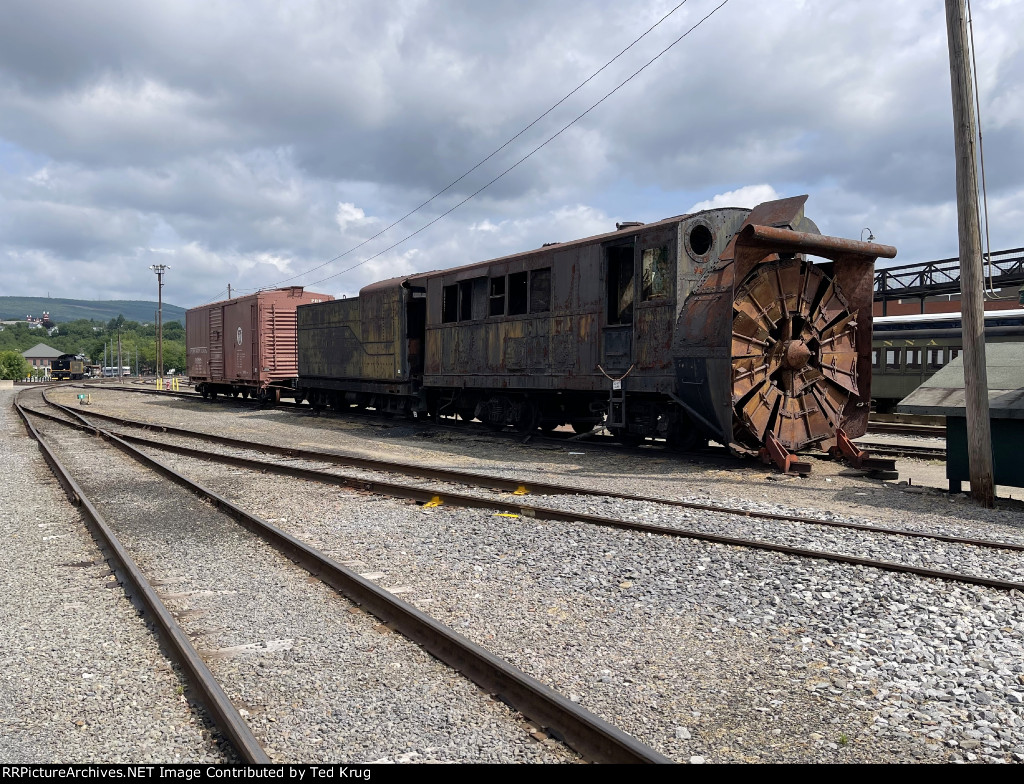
(13, 366)
(174, 355)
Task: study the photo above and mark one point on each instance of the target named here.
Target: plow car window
(657, 283)
(517, 294)
(620, 285)
(935, 358)
(497, 297)
(892, 358)
(450, 304)
(540, 290)
(464, 301)
(913, 358)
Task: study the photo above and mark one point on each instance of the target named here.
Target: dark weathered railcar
(364, 351)
(711, 325)
(247, 345)
(68, 367)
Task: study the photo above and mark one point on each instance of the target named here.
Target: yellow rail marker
(504, 514)
(521, 490)
(435, 501)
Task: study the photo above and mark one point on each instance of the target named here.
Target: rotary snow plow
(774, 346)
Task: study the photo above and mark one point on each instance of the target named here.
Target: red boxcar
(247, 345)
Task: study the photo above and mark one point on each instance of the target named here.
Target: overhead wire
(530, 154)
(459, 179)
(989, 290)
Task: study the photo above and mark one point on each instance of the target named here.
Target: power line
(456, 181)
(531, 153)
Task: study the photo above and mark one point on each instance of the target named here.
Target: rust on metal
(857, 457)
(246, 343)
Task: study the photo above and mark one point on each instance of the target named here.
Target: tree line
(88, 337)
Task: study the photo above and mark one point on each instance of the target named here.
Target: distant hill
(64, 310)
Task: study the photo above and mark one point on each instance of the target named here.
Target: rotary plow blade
(801, 338)
(794, 361)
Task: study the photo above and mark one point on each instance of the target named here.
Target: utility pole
(159, 269)
(229, 291)
(979, 432)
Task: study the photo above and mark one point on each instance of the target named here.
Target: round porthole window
(700, 239)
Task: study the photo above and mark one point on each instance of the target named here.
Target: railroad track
(565, 440)
(909, 429)
(438, 495)
(907, 450)
(224, 714)
(593, 738)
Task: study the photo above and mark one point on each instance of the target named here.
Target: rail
(591, 736)
(438, 497)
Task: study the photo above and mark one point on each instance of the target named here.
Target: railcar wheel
(686, 441)
(579, 428)
(626, 438)
(794, 355)
(525, 415)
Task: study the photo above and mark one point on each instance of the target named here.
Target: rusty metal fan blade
(838, 353)
(813, 277)
(761, 299)
(803, 379)
(757, 412)
(749, 338)
(748, 304)
(801, 422)
(831, 399)
(831, 307)
(747, 373)
(789, 279)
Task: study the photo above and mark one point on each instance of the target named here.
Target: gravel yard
(82, 679)
(705, 652)
(318, 679)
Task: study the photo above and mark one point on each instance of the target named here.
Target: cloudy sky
(251, 142)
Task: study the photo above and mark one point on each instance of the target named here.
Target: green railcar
(907, 350)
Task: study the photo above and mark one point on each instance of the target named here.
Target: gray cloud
(250, 142)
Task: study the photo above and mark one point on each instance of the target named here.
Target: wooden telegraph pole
(979, 433)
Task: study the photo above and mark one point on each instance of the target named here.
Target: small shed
(943, 395)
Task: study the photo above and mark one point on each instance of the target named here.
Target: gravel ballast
(700, 650)
(317, 679)
(82, 678)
